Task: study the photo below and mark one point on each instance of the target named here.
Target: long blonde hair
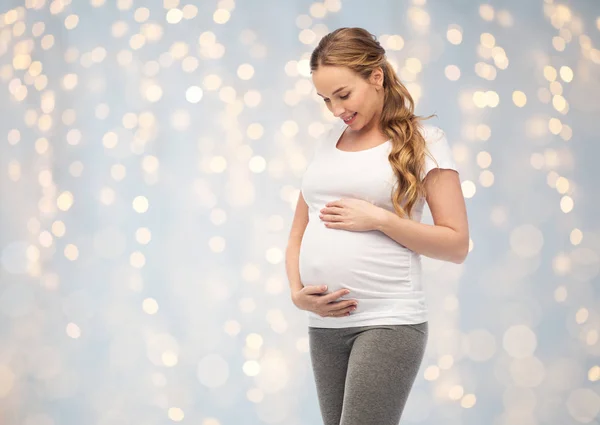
(358, 50)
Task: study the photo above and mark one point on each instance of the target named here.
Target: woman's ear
(377, 77)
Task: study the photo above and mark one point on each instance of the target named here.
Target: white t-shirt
(381, 274)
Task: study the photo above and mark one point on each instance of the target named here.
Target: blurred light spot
(486, 12)
(218, 216)
(289, 128)
(150, 306)
(217, 244)
(414, 65)
(559, 43)
(64, 201)
(118, 172)
(58, 228)
(274, 255)
(456, 392)
(581, 316)
(71, 252)
(257, 164)
(432, 373)
(561, 264)
(566, 204)
(221, 16)
(213, 371)
(549, 73)
(446, 361)
(486, 178)
(218, 164)
(174, 16)
(150, 164)
(526, 240)
(419, 17)
(318, 10)
(73, 331)
(504, 17)
(562, 185)
(554, 125)
(576, 236)
(141, 14)
(245, 71)
(527, 372)
(176, 414)
(395, 43)
(560, 294)
(153, 93)
(143, 235)
(110, 140)
(140, 204)
(468, 188)
(468, 401)
(487, 40)
(71, 21)
(484, 159)
(251, 368)
(107, 196)
(227, 94)
(307, 36)
(251, 273)
(252, 98)
(169, 358)
(559, 103)
(452, 72)
(594, 374)
(519, 98)
(566, 133)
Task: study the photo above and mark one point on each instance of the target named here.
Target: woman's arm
(448, 238)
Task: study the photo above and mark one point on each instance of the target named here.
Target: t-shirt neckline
(354, 152)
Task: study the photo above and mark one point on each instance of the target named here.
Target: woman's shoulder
(432, 133)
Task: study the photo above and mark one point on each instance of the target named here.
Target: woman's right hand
(310, 298)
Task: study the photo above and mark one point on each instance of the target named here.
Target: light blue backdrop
(151, 154)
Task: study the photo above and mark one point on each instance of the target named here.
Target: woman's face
(350, 97)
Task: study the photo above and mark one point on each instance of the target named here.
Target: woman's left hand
(352, 214)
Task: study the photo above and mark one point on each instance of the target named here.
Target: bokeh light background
(151, 155)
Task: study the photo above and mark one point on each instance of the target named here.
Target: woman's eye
(345, 97)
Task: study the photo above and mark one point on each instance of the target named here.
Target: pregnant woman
(353, 256)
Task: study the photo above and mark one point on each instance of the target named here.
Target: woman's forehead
(329, 79)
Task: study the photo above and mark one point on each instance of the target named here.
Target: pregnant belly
(370, 264)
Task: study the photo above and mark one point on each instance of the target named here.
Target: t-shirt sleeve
(438, 147)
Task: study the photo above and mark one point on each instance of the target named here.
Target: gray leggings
(364, 374)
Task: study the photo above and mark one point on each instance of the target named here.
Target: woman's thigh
(382, 368)
(329, 353)
(365, 373)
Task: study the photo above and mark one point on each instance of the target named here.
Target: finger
(337, 203)
(314, 289)
(333, 297)
(330, 217)
(332, 210)
(345, 311)
(342, 306)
